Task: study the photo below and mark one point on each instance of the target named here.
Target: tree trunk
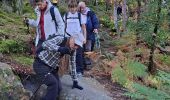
(95, 2)
(116, 17)
(138, 20)
(151, 67)
(124, 12)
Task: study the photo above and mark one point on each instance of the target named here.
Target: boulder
(11, 87)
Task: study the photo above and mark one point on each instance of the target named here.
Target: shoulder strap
(66, 15)
(79, 17)
(53, 16)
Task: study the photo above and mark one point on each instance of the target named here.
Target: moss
(12, 46)
(22, 59)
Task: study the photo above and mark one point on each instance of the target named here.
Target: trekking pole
(32, 97)
(27, 24)
(97, 39)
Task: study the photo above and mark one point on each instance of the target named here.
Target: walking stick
(32, 97)
(27, 24)
(97, 42)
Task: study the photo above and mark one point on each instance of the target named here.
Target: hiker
(44, 26)
(92, 25)
(75, 27)
(46, 61)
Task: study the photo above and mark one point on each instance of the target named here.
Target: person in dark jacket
(92, 25)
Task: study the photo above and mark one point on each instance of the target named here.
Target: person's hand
(72, 42)
(95, 30)
(84, 42)
(64, 50)
(26, 21)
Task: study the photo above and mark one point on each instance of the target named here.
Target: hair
(72, 4)
(82, 3)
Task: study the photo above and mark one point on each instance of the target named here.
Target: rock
(93, 90)
(10, 86)
(167, 48)
(12, 89)
(1, 56)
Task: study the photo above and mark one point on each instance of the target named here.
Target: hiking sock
(75, 85)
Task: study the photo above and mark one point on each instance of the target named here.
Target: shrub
(12, 46)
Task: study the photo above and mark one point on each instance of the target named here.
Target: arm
(83, 26)
(60, 23)
(95, 20)
(84, 31)
(32, 22)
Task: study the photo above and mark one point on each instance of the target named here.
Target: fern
(135, 69)
(143, 92)
(119, 75)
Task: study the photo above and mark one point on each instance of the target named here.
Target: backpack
(66, 17)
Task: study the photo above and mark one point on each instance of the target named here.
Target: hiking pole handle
(27, 24)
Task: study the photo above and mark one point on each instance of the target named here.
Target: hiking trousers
(89, 46)
(51, 80)
(79, 60)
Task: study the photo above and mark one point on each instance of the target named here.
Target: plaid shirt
(51, 56)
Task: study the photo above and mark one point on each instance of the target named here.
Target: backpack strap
(66, 14)
(79, 17)
(53, 16)
(66, 17)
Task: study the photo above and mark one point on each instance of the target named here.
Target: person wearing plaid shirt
(48, 57)
(52, 51)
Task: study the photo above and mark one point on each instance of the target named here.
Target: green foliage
(108, 56)
(7, 18)
(14, 18)
(164, 77)
(28, 61)
(146, 93)
(130, 69)
(135, 69)
(105, 20)
(12, 46)
(62, 10)
(119, 75)
(145, 26)
(163, 58)
(165, 80)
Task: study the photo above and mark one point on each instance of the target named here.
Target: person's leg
(92, 45)
(88, 46)
(73, 71)
(55, 73)
(52, 87)
(42, 71)
(79, 60)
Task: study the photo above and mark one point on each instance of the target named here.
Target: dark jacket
(92, 23)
